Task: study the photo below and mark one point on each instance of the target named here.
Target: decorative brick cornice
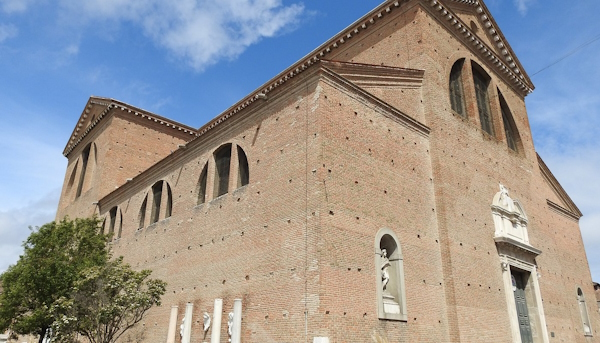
(79, 133)
(505, 65)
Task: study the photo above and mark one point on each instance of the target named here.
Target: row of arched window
(158, 200)
(481, 82)
(88, 154)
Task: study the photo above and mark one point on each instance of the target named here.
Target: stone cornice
(79, 133)
(367, 75)
(561, 210)
(506, 65)
(558, 190)
(384, 108)
(509, 242)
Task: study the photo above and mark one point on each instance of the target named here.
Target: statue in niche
(385, 266)
(206, 321)
(181, 327)
(230, 325)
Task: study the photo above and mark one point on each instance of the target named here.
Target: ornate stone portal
(519, 269)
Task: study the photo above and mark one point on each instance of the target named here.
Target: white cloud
(7, 31)
(14, 225)
(523, 5)
(15, 6)
(197, 32)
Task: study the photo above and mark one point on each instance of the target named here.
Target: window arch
(202, 185)
(85, 155)
(142, 215)
(510, 129)
(72, 177)
(115, 216)
(457, 97)
(389, 265)
(157, 190)
(112, 220)
(222, 169)
(482, 82)
(243, 171)
(585, 319)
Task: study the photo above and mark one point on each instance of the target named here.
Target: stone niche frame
(518, 255)
(387, 239)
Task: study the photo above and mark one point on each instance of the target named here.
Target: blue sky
(162, 56)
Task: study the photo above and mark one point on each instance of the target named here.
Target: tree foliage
(106, 301)
(54, 257)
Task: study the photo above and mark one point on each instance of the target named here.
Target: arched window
(142, 215)
(85, 155)
(157, 201)
(222, 168)
(389, 264)
(456, 88)
(585, 319)
(482, 82)
(72, 177)
(112, 220)
(169, 207)
(202, 185)
(510, 129)
(243, 171)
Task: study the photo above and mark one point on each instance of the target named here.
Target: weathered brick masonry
(356, 149)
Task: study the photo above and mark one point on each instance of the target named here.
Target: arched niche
(389, 266)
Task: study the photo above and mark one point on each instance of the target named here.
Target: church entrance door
(519, 283)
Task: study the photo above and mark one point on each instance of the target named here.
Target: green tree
(106, 301)
(55, 255)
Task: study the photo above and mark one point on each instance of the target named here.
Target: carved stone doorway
(519, 282)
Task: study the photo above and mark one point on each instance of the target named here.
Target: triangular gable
(489, 42)
(97, 108)
(399, 87)
(566, 206)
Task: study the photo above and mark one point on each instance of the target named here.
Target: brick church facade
(385, 188)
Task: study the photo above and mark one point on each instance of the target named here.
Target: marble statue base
(390, 305)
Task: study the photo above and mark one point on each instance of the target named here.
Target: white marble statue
(181, 327)
(385, 266)
(230, 325)
(206, 321)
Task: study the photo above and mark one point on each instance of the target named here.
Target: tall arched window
(112, 220)
(585, 319)
(85, 155)
(222, 168)
(389, 265)
(510, 129)
(142, 215)
(202, 185)
(243, 171)
(156, 200)
(158, 190)
(456, 88)
(482, 82)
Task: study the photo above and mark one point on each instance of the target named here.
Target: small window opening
(142, 216)
(202, 185)
(169, 207)
(243, 174)
(222, 168)
(587, 329)
(113, 219)
(156, 198)
(84, 161)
